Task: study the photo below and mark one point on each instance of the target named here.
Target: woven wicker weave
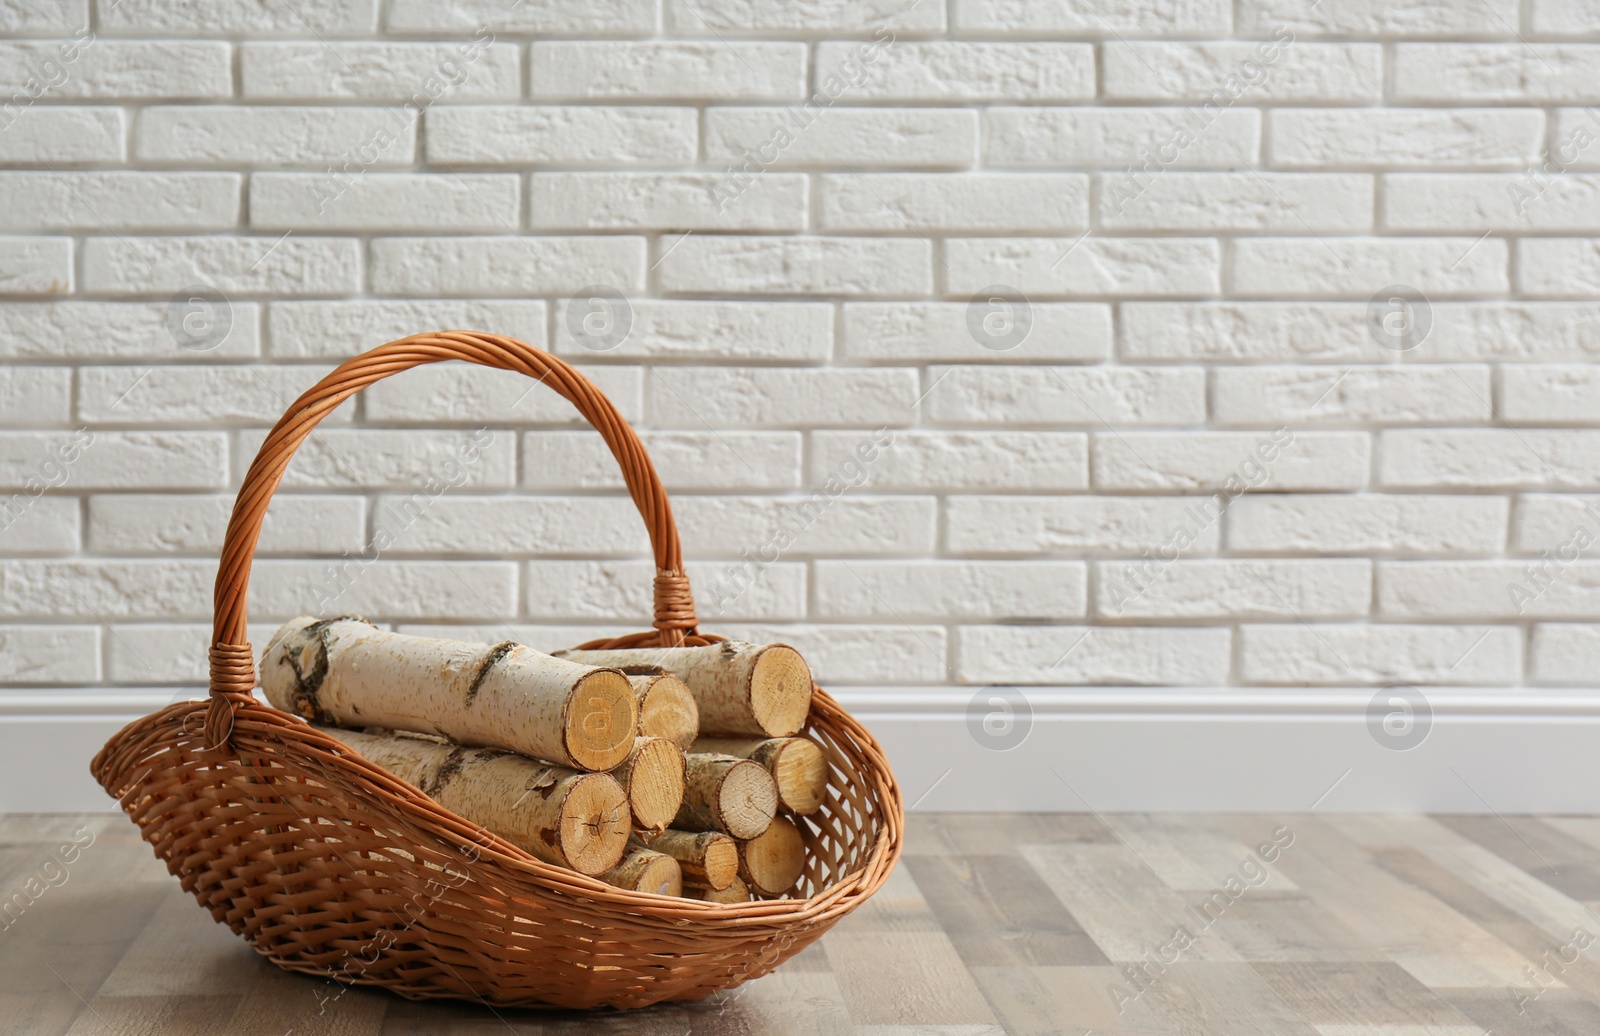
(328, 865)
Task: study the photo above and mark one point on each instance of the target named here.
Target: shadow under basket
(328, 865)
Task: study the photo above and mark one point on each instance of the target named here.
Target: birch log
(739, 688)
(345, 672)
(707, 858)
(735, 796)
(645, 870)
(771, 862)
(653, 777)
(796, 764)
(737, 892)
(571, 819)
(666, 708)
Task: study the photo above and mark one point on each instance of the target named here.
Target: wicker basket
(328, 865)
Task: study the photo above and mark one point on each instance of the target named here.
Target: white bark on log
(645, 870)
(797, 766)
(565, 817)
(772, 862)
(654, 777)
(740, 688)
(734, 796)
(345, 672)
(708, 858)
(736, 892)
(666, 708)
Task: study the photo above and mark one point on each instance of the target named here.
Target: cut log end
(654, 776)
(772, 861)
(780, 691)
(667, 709)
(594, 824)
(645, 870)
(801, 772)
(736, 892)
(746, 799)
(602, 717)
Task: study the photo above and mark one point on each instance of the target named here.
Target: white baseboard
(1504, 750)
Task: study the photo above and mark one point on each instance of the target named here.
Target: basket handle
(233, 675)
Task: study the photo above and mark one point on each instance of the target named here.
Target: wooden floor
(1066, 923)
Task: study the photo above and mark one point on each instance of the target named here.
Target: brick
(1559, 267)
(1081, 525)
(512, 526)
(207, 396)
(1223, 588)
(954, 461)
(57, 17)
(54, 134)
(35, 265)
(1237, 201)
(588, 135)
(1467, 73)
(158, 523)
(1069, 655)
(1542, 394)
(367, 71)
(850, 524)
(684, 460)
(460, 394)
(1242, 72)
(535, 17)
(1085, 266)
(857, 653)
(339, 330)
(1114, 138)
(81, 330)
(939, 202)
(619, 591)
(1565, 16)
(34, 655)
(668, 70)
(1554, 522)
(1487, 590)
(782, 397)
(33, 522)
(734, 265)
(505, 265)
(101, 589)
(384, 590)
(1250, 332)
(1205, 461)
(1490, 201)
(1486, 458)
(1300, 396)
(350, 139)
(142, 69)
(408, 459)
(1356, 267)
(781, 138)
(961, 71)
(268, 18)
(166, 652)
(117, 460)
(1374, 18)
(924, 331)
(1367, 523)
(35, 396)
(113, 201)
(543, 636)
(832, 17)
(666, 201)
(1516, 331)
(944, 589)
(248, 265)
(1565, 654)
(793, 332)
(1335, 655)
(1084, 18)
(1067, 395)
(1425, 138)
(1574, 132)
(385, 202)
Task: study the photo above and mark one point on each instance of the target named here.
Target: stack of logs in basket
(590, 760)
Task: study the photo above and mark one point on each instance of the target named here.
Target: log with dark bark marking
(734, 796)
(797, 766)
(708, 858)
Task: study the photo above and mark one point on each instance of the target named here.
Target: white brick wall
(979, 342)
